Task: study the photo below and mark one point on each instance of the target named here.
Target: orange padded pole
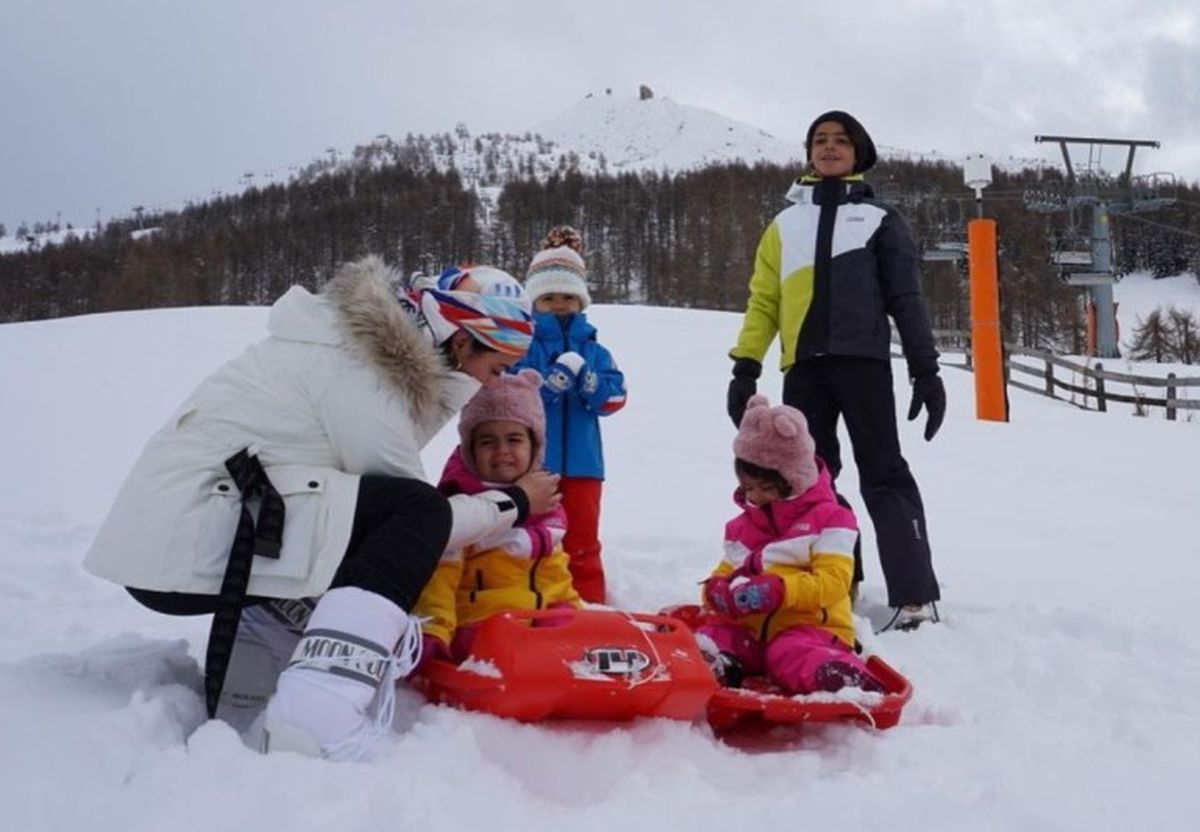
(987, 352)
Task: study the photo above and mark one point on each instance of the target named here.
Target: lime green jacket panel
(780, 296)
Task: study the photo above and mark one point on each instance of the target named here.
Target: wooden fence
(1090, 382)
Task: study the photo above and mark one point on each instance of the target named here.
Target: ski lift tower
(1086, 258)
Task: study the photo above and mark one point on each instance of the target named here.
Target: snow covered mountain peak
(659, 132)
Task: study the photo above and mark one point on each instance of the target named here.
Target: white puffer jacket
(345, 385)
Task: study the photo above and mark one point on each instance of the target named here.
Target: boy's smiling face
(832, 151)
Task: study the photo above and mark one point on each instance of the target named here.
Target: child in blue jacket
(582, 383)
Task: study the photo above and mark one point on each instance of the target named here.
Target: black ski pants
(400, 528)
(859, 390)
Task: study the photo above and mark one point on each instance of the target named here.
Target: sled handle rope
(658, 662)
(866, 713)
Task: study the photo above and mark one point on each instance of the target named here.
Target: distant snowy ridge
(596, 135)
(602, 134)
(660, 133)
(1008, 164)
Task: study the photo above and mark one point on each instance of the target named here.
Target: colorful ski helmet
(501, 323)
(486, 280)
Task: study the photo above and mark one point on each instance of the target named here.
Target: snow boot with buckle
(266, 637)
(337, 696)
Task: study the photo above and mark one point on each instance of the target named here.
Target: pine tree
(1185, 342)
(1153, 339)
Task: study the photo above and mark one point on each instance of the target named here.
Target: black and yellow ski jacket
(830, 269)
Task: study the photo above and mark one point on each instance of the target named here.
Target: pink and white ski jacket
(808, 541)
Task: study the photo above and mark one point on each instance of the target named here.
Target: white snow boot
(337, 696)
(266, 637)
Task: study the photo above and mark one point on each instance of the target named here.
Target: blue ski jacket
(573, 446)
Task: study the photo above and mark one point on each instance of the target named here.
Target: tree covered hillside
(661, 238)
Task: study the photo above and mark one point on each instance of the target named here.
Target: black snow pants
(859, 390)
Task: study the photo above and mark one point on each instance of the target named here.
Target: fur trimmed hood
(358, 310)
(387, 335)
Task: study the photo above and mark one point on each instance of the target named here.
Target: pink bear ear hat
(511, 398)
(778, 438)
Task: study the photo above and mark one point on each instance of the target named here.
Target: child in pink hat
(780, 597)
(503, 437)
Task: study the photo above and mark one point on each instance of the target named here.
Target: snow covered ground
(1059, 693)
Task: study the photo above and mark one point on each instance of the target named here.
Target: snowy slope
(598, 134)
(1058, 694)
(1136, 296)
(1139, 294)
(658, 133)
(12, 244)
(609, 134)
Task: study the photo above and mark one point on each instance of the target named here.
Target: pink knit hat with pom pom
(777, 438)
(511, 398)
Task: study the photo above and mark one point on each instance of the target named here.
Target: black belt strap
(264, 538)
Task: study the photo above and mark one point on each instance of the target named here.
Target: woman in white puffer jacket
(304, 453)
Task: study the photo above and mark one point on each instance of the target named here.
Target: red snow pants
(581, 501)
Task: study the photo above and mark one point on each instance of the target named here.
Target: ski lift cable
(1162, 225)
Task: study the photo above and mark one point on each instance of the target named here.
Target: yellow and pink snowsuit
(522, 568)
(807, 540)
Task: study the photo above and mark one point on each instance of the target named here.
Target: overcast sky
(105, 104)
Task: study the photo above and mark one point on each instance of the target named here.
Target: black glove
(928, 392)
(741, 387)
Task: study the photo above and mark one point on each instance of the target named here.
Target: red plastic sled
(760, 704)
(576, 664)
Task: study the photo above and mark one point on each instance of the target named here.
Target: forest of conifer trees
(684, 239)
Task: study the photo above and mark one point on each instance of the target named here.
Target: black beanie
(864, 148)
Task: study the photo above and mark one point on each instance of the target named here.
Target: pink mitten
(761, 594)
(718, 597)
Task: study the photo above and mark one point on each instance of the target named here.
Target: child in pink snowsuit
(781, 594)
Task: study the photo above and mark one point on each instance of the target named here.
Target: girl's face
(503, 450)
(832, 150)
(558, 303)
(480, 363)
(758, 492)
